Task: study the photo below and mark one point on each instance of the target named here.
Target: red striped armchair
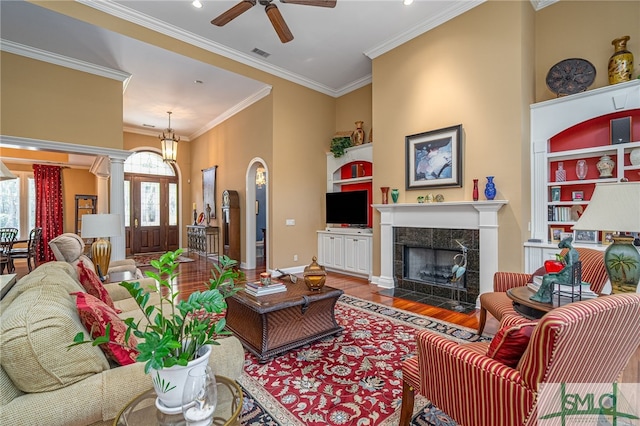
(583, 342)
(497, 303)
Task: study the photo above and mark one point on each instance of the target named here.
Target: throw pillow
(92, 284)
(509, 343)
(95, 315)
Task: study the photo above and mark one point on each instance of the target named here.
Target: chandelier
(169, 143)
(261, 178)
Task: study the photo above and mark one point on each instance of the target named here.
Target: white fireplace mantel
(480, 215)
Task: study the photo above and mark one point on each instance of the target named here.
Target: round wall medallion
(571, 76)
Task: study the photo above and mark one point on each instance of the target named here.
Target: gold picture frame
(555, 234)
(606, 237)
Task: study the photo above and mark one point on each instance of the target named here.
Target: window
(18, 203)
(147, 163)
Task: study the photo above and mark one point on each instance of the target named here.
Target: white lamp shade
(613, 207)
(101, 225)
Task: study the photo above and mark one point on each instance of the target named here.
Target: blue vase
(490, 189)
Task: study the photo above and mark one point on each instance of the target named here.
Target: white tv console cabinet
(346, 250)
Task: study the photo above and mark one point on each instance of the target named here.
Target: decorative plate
(201, 217)
(571, 76)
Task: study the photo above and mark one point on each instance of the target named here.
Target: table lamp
(101, 226)
(616, 207)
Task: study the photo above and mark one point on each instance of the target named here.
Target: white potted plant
(178, 333)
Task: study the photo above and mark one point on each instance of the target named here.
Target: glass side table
(142, 411)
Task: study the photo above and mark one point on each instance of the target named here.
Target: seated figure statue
(563, 277)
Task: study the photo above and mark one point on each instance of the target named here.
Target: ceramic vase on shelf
(358, 134)
(634, 157)
(581, 169)
(605, 166)
(385, 194)
(475, 190)
(490, 189)
(621, 62)
(395, 192)
(561, 173)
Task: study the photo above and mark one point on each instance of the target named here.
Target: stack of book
(565, 290)
(257, 289)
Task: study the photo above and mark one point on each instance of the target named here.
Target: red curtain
(48, 182)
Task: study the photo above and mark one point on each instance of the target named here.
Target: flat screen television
(348, 208)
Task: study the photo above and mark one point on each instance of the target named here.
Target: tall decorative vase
(581, 169)
(169, 382)
(394, 195)
(358, 134)
(490, 189)
(385, 194)
(475, 190)
(605, 166)
(621, 62)
(622, 261)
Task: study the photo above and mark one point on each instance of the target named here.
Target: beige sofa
(44, 382)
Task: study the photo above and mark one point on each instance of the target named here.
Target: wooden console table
(204, 240)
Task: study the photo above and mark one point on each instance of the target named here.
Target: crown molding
(265, 91)
(64, 61)
(54, 146)
(541, 4)
(456, 8)
(135, 17)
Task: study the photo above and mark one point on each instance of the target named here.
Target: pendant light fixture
(169, 143)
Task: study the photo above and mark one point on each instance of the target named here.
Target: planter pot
(169, 382)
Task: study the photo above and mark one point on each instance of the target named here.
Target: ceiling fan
(272, 13)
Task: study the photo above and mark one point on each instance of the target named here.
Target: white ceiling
(331, 51)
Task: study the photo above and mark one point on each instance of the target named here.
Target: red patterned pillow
(91, 282)
(509, 343)
(95, 315)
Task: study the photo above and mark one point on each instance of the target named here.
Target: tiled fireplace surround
(475, 223)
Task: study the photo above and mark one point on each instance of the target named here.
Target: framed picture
(434, 158)
(585, 237)
(555, 193)
(606, 237)
(564, 235)
(577, 195)
(556, 234)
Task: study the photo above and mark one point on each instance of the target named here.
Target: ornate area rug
(145, 259)
(351, 379)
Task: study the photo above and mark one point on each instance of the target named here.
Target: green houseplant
(176, 330)
(339, 144)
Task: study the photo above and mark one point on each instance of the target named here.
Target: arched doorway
(151, 204)
(257, 214)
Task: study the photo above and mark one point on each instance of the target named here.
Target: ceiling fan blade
(233, 13)
(278, 23)
(321, 3)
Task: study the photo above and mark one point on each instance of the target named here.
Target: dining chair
(30, 252)
(7, 237)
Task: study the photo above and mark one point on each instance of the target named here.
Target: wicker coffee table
(272, 324)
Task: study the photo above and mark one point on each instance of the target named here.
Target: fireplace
(424, 260)
(439, 225)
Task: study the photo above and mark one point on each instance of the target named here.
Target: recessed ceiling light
(196, 3)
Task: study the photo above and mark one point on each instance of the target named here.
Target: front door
(154, 226)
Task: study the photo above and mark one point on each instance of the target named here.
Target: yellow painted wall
(49, 102)
(75, 182)
(469, 71)
(355, 106)
(584, 29)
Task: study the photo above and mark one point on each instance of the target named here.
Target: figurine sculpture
(543, 295)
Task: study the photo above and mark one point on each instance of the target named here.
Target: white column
(488, 229)
(118, 251)
(386, 249)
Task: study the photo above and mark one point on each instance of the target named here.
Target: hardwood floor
(193, 276)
